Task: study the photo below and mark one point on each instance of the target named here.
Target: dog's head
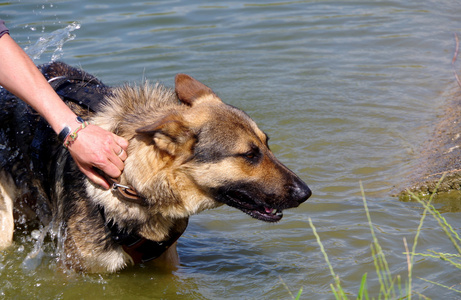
(210, 153)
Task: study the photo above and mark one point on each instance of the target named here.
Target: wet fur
(188, 152)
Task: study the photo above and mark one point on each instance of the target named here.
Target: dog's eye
(252, 156)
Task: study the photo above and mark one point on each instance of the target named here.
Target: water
(347, 90)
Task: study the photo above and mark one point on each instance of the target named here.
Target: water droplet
(54, 39)
(35, 234)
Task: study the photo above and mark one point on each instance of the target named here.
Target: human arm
(94, 147)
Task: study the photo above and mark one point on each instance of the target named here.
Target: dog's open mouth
(247, 205)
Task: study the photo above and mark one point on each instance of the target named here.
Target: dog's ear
(191, 91)
(169, 134)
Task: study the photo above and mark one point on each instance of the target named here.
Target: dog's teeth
(274, 211)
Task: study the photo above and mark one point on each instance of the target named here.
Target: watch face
(64, 133)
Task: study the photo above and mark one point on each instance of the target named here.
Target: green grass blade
(447, 287)
(298, 296)
(363, 288)
(449, 231)
(381, 265)
(289, 292)
(339, 294)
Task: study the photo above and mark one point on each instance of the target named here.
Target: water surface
(348, 91)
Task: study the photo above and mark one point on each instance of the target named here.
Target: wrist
(68, 133)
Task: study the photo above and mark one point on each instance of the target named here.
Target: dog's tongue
(270, 210)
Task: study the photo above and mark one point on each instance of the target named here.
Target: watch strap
(67, 130)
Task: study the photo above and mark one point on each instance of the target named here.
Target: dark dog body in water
(188, 152)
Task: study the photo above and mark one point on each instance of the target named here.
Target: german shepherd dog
(188, 152)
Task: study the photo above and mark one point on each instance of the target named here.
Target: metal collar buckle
(115, 186)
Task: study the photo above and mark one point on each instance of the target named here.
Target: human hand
(98, 148)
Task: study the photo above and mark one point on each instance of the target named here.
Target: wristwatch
(67, 130)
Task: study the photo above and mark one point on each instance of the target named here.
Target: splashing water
(52, 42)
(34, 258)
(55, 39)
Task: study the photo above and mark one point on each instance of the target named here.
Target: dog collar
(126, 192)
(140, 249)
(75, 89)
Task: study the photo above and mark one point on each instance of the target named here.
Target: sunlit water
(348, 91)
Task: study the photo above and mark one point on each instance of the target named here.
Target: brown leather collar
(124, 192)
(140, 249)
(143, 250)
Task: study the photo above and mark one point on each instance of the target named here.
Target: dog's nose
(300, 192)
